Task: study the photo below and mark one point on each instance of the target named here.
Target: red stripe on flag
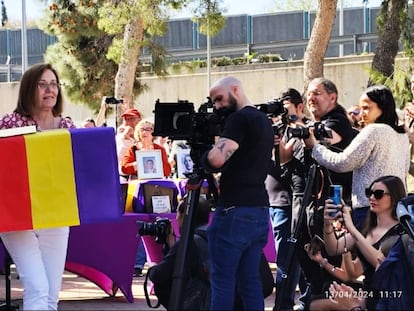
(15, 205)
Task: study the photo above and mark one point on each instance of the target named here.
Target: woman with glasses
(374, 241)
(39, 255)
(381, 148)
(144, 141)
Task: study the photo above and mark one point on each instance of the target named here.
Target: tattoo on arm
(221, 144)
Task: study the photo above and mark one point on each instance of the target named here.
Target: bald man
(240, 224)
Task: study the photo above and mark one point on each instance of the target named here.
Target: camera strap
(147, 298)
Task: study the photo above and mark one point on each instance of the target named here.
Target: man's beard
(232, 107)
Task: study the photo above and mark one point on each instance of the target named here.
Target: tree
(94, 36)
(319, 40)
(392, 15)
(79, 53)
(394, 26)
(4, 17)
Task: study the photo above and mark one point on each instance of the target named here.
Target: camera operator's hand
(311, 140)
(170, 240)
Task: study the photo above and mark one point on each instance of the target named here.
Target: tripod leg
(7, 306)
(176, 295)
(307, 196)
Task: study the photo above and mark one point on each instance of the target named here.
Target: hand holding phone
(335, 194)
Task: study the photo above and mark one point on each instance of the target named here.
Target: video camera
(159, 229)
(180, 121)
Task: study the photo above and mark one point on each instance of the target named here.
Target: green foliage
(79, 54)
(399, 84)
(208, 15)
(399, 81)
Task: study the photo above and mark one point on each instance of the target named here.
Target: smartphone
(335, 194)
(317, 244)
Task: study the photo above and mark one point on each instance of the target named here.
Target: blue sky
(34, 7)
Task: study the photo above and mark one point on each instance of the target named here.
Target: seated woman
(144, 141)
(381, 224)
(338, 273)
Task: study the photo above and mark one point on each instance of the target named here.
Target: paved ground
(80, 294)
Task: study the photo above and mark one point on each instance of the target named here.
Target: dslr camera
(158, 229)
(272, 108)
(113, 101)
(275, 108)
(319, 130)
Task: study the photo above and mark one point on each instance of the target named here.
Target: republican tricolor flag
(58, 178)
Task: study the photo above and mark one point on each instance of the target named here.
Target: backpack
(393, 282)
(196, 291)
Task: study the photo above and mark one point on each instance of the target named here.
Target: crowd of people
(263, 171)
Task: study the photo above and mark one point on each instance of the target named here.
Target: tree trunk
(388, 37)
(319, 40)
(125, 77)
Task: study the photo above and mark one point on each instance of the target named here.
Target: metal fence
(285, 34)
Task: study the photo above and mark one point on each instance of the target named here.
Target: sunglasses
(378, 194)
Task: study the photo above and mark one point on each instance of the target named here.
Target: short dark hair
(203, 209)
(292, 95)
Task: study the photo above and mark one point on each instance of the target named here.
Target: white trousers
(39, 256)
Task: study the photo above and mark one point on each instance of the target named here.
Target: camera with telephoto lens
(158, 229)
(113, 101)
(275, 108)
(319, 130)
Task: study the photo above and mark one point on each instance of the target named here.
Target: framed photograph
(149, 164)
(184, 162)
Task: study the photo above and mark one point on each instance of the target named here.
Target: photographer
(239, 229)
(285, 184)
(322, 103)
(162, 273)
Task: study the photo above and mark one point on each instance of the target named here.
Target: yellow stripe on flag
(51, 179)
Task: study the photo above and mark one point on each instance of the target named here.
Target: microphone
(405, 218)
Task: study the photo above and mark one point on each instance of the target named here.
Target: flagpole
(24, 38)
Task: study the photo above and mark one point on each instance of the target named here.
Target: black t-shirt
(337, 120)
(242, 180)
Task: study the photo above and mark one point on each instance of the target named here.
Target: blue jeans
(281, 219)
(141, 256)
(236, 238)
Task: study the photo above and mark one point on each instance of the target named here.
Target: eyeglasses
(45, 85)
(354, 112)
(146, 129)
(378, 194)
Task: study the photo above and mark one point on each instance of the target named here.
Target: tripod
(194, 187)
(309, 197)
(7, 305)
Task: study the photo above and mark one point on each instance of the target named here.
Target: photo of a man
(188, 163)
(149, 165)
